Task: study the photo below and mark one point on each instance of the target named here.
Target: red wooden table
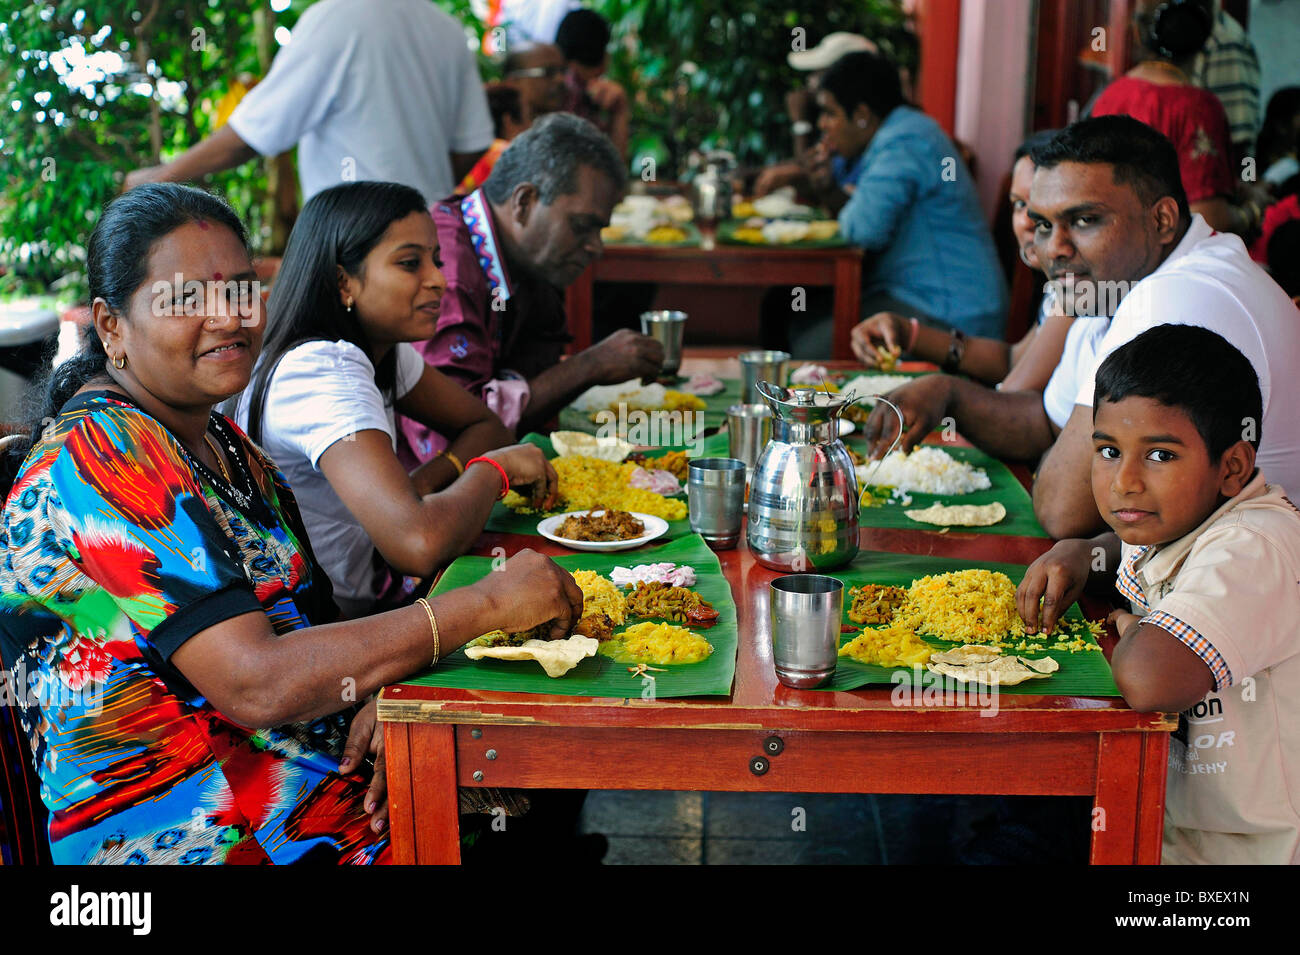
(734, 265)
(861, 741)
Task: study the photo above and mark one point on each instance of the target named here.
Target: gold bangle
(455, 462)
(433, 625)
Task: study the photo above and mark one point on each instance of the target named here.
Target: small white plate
(847, 427)
(654, 527)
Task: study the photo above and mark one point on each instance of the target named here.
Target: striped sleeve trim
(1126, 581)
(1190, 637)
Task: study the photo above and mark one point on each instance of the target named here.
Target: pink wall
(994, 73)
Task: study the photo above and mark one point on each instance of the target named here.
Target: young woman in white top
(359, 281)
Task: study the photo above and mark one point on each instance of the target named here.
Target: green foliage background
(701, 73)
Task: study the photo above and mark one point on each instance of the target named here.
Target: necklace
(1168, 69)
(242, 492)
(216, 451)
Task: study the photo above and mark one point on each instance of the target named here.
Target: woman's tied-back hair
(1192, 369)
(337, 227)
(1139, 156)
(548, 155)
(1176, 29)
(117, 262)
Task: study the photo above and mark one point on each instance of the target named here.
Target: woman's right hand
(529, 590)
(884, 331)
(527, 467)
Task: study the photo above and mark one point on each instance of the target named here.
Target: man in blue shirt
(911, 204)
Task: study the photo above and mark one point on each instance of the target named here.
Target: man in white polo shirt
(368, 89)
(1115, 233)
(1199, 277)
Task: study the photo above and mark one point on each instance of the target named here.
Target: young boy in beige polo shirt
(1208, 555)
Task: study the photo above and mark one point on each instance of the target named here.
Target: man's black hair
(864, 77)
(1033, 141)
(1139, 155)
(583, 36)
(1192, 369)
(504, 100)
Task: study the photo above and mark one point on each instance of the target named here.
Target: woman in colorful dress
(186, 694)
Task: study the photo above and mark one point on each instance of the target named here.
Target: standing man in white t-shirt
(383, 90)
(1113, 226)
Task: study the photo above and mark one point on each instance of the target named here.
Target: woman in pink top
(1159, 92)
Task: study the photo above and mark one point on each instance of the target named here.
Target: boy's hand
(1122, 620)
(1057, 578)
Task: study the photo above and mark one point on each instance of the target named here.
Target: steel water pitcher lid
(803, 405)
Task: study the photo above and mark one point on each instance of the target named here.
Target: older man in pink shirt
(507, 250)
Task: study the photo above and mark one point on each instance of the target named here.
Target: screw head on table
(476, 733)
(774, 745)
(491, 754)
(478, 775)
(759, 765)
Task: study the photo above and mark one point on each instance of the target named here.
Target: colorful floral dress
(117, 547)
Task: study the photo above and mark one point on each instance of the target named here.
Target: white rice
(631, 392)
(874, 385)
(927, 470)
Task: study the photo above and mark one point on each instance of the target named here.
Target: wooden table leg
(578, 304)
(1128, 811)
(848, 300)
(423, 806)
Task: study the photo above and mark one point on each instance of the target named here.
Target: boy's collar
(1162, 560)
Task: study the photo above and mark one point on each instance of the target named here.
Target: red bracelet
(505, 481)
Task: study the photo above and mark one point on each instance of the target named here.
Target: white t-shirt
(320, 393)
(1209, 280)
(370, 89)
(1077, 359)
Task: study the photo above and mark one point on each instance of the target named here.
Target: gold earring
(119, 363)
(349, 305)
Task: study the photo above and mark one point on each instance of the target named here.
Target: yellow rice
(673, 401)
(599, 595)
(587, 482)
(979, 606)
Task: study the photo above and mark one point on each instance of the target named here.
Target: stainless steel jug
(803, 499)
(711, 189)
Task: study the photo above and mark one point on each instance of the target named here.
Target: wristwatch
(956, 351)
(801, 127)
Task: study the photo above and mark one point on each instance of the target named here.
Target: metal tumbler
(667, 328)
(806, 611)
(715, 490)
(749, 428)
(756, 366)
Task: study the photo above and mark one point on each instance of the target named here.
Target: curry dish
(605, 525)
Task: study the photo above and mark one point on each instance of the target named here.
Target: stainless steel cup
(749, 428)
(666, 327)
(756, 366)
(715, 493)
(806, 611)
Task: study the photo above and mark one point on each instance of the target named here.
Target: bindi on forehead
(203, 224)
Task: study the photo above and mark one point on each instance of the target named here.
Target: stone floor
(718, 828)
